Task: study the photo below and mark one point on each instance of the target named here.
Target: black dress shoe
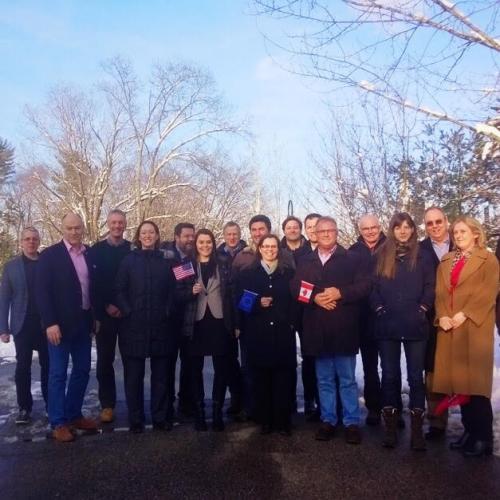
(478, 449)
(460, 442)
(435, 433)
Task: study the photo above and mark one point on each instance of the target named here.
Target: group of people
(244, 305)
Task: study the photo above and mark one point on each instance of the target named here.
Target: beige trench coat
(464, 357)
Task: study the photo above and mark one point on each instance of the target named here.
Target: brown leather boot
(390, 416)
(417, 435)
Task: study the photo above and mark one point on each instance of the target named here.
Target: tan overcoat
(464, 357)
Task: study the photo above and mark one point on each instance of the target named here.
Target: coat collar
(314, 257)
(475, 261)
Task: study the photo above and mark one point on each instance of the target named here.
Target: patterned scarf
(458, 264)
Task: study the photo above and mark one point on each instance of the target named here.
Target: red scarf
(458, 265)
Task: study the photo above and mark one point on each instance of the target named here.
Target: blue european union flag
(247, 301)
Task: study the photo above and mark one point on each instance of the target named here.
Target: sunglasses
(437, 222)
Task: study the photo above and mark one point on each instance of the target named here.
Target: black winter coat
(269, 333)
(367, 259)
(143, 289)
(401, 317)
(333, 332)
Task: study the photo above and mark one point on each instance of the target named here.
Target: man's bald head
(72, 229)
(369, 228)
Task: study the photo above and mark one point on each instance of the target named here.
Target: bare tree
(435, 57)
(364, 169)
(125, 144)
(173, 122)
(79, 146)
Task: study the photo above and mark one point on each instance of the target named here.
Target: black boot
(217, 421)
(390, 416)
(200, 423)
(478, 449)
(417, 435)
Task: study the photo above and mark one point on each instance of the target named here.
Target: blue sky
(43, 43)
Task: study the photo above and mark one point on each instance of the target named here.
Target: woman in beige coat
(466, 288)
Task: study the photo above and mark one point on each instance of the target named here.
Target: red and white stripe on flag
(183, 271)
(306, 290)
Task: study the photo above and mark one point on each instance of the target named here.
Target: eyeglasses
(269, 247)
(437, 222)
(372, 228)
(326, 231)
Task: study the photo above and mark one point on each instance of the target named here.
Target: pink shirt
(78, 258)
(324, 257)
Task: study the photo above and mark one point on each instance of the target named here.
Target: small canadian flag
(306, 290)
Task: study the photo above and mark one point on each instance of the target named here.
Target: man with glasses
(331, 282)
(19, 317)
(437, 244)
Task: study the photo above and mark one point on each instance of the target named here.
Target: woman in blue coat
(403, 291)
(267, 323)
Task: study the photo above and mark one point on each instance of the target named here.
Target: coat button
(271, 323)
(270, 286)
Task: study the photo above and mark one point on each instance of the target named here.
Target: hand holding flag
(305, 292)
(183, 271)
(247, 301)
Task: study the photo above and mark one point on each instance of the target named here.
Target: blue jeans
(390, 356)
(344, 367)
(65, 404)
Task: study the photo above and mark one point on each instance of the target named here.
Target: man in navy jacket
(63, 297)
(436, 245)
(106, 256)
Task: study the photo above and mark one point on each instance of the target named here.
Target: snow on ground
(8, 394)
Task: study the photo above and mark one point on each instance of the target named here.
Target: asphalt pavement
(237, 463)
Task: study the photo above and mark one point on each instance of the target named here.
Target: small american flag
(183, 271)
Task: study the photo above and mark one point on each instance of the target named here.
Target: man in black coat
(331, 282)
(106, 256)
(179, 252)
(436, 245)
(63, 295)
(369, 240)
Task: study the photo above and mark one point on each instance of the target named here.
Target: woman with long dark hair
(144, 287)
(466, 289)
(265, 289)
(208, 322)
(403, 291)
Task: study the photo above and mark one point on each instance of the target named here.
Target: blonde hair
(474, 225)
